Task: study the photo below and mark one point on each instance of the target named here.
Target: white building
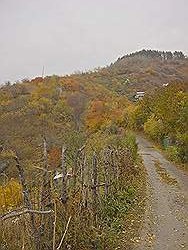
(139, 95)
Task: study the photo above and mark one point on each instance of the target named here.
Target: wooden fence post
(87, 185)
(114, 171)
(84, 188)
(46, 188)
(75, 169)
(117, 159)
(94, 187)
(106, 176)
(64, 195)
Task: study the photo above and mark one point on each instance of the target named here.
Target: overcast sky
(71, 35)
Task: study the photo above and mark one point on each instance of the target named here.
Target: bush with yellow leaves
(10, 195)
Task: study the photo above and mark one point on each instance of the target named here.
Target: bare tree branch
(66, 229)
(15, 213)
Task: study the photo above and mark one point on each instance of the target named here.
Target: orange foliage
(54, 157)
(104, 113)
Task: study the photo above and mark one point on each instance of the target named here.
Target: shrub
(154, 128)
(10, 195)
(173, 153)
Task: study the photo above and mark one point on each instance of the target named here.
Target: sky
(67, 36)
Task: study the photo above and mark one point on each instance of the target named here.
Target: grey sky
(70, 35)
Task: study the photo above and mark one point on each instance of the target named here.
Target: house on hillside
(139, 95)
(165, 84)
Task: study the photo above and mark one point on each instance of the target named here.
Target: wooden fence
(80, 186)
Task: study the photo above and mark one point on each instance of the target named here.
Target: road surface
(165, 226)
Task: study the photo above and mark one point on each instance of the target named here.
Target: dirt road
(166, 218)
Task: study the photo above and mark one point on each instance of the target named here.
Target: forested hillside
(145, 70)
(59, 107)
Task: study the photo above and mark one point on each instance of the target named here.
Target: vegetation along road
(166, 219)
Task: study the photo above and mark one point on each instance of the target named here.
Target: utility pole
(43, 72)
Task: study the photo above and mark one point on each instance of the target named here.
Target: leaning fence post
(27, 202)
(23, 183)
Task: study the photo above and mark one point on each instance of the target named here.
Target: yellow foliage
(5, 102)
(10, 195)
(6, 154)
(154, 128)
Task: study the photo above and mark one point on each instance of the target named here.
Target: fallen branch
(14, 214)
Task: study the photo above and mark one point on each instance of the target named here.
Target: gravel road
(166, 219)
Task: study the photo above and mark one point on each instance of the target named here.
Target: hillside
(145, 70)
(67, 155)
(73, 128)
(58, 108)
(86, 101)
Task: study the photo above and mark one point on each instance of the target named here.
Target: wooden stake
(94, 187)
(64, 195)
